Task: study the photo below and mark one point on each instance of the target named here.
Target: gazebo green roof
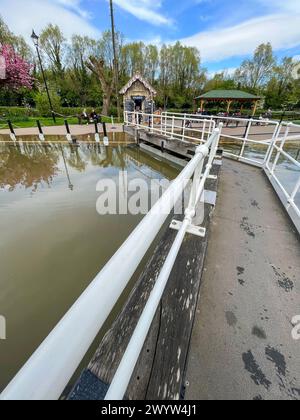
(238, 95)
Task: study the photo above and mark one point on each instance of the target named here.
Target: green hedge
(17, 112)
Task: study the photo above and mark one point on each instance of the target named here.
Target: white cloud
(229, 71)
(146, 10)
(36, 14)
(282, 30)
(76, 6)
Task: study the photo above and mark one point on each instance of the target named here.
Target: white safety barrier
(177, 127)
(276, 136)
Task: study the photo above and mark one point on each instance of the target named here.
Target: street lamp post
(116, 62)
(35, 40)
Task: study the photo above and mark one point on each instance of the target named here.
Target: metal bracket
(218, 162)
(194, 230)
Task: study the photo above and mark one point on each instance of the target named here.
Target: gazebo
(228, 97)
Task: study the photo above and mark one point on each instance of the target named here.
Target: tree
(53, 45)
(280, 88)
(17, 42)
(256, 72)
(78, 83)
(105, 77)
(101, 64)
(17, 71)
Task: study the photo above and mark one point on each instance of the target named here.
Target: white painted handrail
(280, 134)
(123, 375)
(180, 127)
(48, 371)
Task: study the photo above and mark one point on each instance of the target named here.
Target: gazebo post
(229, 105)
(254, 108)
(202, 105)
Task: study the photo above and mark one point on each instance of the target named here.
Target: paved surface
(76, 130)
(242, 346)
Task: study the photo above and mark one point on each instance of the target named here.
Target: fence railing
(275, 153)
(263, 135)
(181, 127)
(50, 368)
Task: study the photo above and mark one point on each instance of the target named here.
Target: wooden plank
(177, 147)
(160, 369)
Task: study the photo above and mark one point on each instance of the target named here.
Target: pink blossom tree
(16, 74)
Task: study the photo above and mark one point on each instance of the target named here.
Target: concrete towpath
(242, 345)
(76, 130)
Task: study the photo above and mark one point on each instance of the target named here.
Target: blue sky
(224, 31)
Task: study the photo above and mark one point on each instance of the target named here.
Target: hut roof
(138, 77)
(237, 95)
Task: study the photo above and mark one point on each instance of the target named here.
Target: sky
(225, 32)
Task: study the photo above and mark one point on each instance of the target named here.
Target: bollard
(97, 137)
(69, 137)
(41, 134)
(12, 131)
(105, 138)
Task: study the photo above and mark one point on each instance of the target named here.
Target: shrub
(43, 106)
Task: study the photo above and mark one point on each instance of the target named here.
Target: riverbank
(76, 130)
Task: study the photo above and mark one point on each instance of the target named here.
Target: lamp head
(35, 38)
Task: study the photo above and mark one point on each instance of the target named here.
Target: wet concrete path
(242, 345)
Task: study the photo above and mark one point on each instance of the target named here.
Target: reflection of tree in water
(31, 165)
(27, 165)
(105, 157)
(75, 159)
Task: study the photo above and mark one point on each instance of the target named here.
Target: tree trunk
(106, 104)
(97, 66)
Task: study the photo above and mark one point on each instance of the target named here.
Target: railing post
(281, 147)
(272, 143)
(173, 127)
(203, 130)
(41, 134)
(296, 189)
(12, 131)
(152, 123)
(166, 123)
(246, 135)
(183, 127)
(105, 138)
(69, 136)
(97, 136)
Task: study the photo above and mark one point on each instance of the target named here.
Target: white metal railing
(273, 143)
(48, 371)
(180, 127)
(275, 152)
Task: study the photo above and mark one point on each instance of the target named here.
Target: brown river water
(53, 242)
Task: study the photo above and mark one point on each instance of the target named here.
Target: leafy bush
(43, 106)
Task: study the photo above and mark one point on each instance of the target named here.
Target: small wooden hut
(138, 95)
